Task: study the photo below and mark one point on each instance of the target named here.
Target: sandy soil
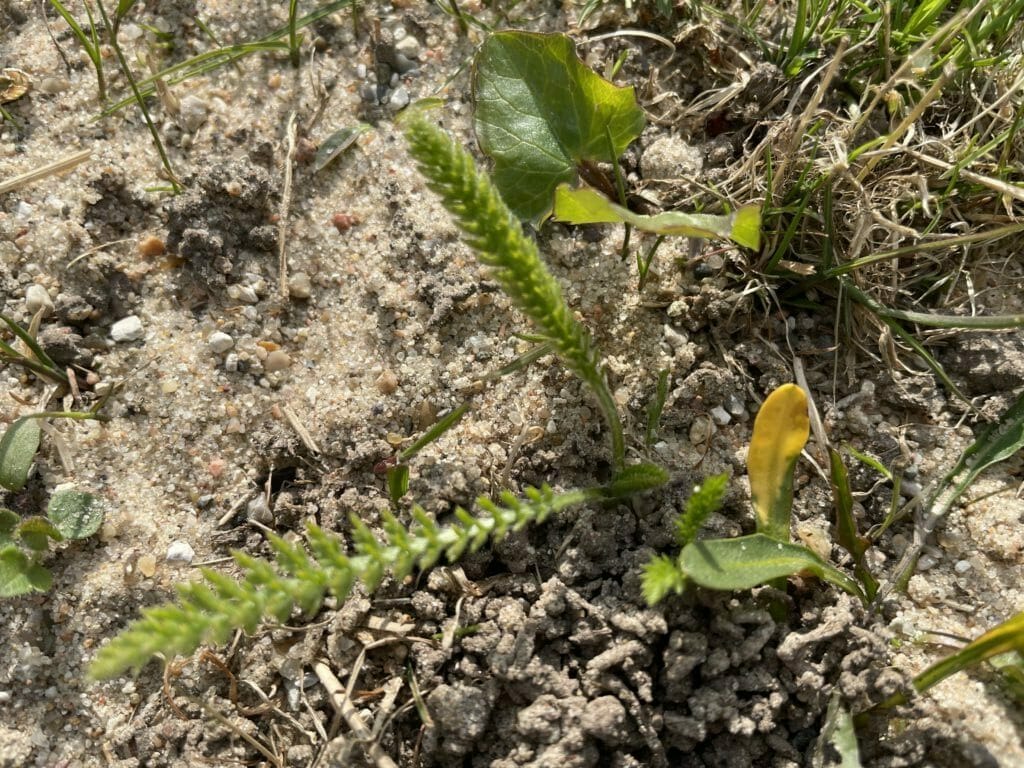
(388, 323)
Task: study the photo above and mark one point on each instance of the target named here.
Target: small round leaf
(76, 515)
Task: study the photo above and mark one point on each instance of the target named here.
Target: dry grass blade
(342, 704)
(61, 165)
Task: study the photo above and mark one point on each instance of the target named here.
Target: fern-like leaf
(496, 235)
(212, 611)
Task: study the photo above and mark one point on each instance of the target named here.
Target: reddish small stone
(343, 222)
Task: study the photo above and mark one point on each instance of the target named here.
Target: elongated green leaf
(19, 575)
(540, 113)
(846, 526)
(18, 449)
(398, 482)
(1004, 637)
(76, 515)
(838, 732)
(780, 433)
(998, 442)
(443, 425)
(748, 561)
(586, 206)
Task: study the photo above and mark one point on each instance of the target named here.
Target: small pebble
(409, 47)
(701, 430)
(243, 293)
(220, 342)
(720, 416)
(37, 298)
(734, 404)
(52, 85)
(300, 286)
(127, 329)
(151, 246)
(277, 360)
(180, 552)
(193, 112)
(368, 92)
(962, 566)
(399, 98)
(146, 565)
(387, 382)
(343, 222)
(258, 511)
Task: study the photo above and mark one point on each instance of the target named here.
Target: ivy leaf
(19, 575)
(586, 206)
(748, 561)
(18, 449)
(540, 113)
(76, 515)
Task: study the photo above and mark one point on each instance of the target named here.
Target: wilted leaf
(586, 206)
(781, 430)
(540, 112)
(1003, 638)
(748, 561)
(18, 449)
(19, 575)
(76, 515)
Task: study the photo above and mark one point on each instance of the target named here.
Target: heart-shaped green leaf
(748, 561)
(19, 575)
(540, 112)
(586, 206)
(18, 449)
(76, 515)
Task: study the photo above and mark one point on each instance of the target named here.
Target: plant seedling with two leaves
(781, 430)
(71, 514)
(547, 121)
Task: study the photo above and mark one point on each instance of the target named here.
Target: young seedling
(493, 232)
(780, 431)
(211, 612)
(70, 515)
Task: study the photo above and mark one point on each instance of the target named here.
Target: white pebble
(220, 342)
(399, 98)
(180, 552)
(962, 566)
(720, 416)
(408, 46)
(36, 298)
(300, 286)
(193, 111)
(127, 329)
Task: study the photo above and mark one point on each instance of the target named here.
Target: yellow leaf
(780, 433)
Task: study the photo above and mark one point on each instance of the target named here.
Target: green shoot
(493, 232)
(90, 43)
(112, 28)
(211, 612)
